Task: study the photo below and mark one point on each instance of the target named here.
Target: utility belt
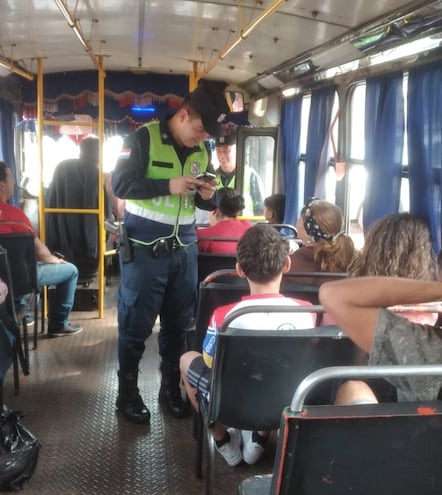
(161, 248)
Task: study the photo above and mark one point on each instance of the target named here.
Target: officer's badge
(195, 168)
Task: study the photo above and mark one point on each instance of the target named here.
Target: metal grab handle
(350, 372)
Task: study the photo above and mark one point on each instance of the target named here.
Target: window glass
(305, 112)
(259, 152)
(357, 119)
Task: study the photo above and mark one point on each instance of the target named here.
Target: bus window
(305, 112)
(357, 117)
(257, 172)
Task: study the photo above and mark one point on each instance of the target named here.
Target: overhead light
(289, 92)
(16, 70)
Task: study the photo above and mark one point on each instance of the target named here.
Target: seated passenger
(326, 246)
(398, 245)
(223, 223)
(51, 270)
(358, 305)
(274, 208)
(262, 258)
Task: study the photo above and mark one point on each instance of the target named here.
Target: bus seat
(23, 265)
(217, 289)
(280, 360)
(211, 262)
(381, 448)
(13, 320)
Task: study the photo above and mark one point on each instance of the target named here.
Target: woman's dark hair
(230, 202)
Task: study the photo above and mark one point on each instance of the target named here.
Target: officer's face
(226, 158)
(192, 131)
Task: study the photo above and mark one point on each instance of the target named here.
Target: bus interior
(329, 98)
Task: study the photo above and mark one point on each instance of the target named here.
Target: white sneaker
(231, 451)
(251, 451)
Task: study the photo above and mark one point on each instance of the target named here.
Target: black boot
(129, 401)
(170, 392)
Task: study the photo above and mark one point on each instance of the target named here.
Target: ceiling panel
(173, 33)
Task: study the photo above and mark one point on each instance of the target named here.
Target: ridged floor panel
(69, 403)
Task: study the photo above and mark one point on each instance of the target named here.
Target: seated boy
(358, 305)
(262, 258)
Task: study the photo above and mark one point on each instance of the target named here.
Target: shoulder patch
(124, 154)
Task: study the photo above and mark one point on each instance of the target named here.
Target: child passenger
(262, 258)
(274, 208)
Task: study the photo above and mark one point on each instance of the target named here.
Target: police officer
(156, 173)
(225, 147)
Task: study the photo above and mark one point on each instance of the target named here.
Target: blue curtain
(424, 146)
(7, 122)
(289, 157)
(321, 107)
(384, 140)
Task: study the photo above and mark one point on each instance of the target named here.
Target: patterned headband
(311, 226)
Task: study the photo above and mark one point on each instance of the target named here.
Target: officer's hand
(207, 189)
(183, 185)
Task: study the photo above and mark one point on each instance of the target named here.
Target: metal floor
(68, 400)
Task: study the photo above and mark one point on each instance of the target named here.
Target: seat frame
(12, 321)
(367, 448)
(23, 266)
(255, 371)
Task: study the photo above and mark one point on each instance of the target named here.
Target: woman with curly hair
(326, 247)
(398, 245)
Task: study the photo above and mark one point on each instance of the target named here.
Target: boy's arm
(354, 303)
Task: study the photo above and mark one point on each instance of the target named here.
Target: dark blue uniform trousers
(152, 286)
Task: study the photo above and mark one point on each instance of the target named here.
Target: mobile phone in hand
(206, 176)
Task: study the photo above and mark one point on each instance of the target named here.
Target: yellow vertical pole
(101, 232)
(40, 103)
(41, 213)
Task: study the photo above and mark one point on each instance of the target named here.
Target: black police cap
(227, 140)
(209, 101)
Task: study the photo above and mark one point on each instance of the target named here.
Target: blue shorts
(199, 375)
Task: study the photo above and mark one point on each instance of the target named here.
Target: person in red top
(51, 270)
(223, 224)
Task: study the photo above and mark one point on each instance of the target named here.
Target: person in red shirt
(51, 270)
(223, 224)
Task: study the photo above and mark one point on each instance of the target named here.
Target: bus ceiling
(262, 46)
